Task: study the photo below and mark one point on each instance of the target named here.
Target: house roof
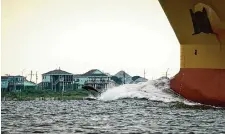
(92, 73)
(29, 83)
(4, 77)
(57, 72)
(10, 76)
(77, 75)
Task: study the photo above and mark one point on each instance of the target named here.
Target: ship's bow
(200, 28)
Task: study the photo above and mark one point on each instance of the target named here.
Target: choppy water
(148, 108)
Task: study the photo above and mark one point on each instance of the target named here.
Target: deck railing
(97, 81)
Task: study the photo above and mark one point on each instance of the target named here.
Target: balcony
(15, 83)
(97, 81)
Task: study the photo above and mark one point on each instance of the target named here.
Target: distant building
(4, 83)
(79, 81)
(139, 80)
(94, 78)
(57, 80)
(125, 77)
(10, 83)
(29, 84)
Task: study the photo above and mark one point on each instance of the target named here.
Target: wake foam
(156, 90)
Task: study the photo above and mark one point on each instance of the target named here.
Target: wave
(155, 90)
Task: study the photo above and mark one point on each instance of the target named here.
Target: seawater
(149, 107)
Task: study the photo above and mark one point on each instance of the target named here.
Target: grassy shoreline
(38, 94)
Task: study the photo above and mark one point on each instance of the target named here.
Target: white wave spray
(157, 90)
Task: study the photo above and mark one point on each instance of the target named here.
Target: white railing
(56, 82)
(97, 81)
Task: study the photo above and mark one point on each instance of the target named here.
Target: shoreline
(45, 95)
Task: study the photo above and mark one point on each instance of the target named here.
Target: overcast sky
(79, 35)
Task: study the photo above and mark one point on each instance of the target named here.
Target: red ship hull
(205, 86)
(199, 26)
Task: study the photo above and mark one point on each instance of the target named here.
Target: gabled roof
(57, 72)
(121, 74)
(92, 73)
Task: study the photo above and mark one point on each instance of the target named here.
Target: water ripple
(117, 116)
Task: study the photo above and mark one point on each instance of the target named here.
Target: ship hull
(200, 29)
(204, 86)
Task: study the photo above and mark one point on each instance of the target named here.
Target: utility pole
(36, 77)
(167, 72)
(31, 74)
(24, 78)
(144, 73)
(124, 77)
(36, 80)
